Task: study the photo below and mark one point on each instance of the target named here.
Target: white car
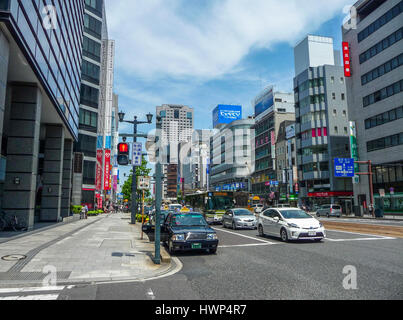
(290, 224)
(257, 208)
(175, 207)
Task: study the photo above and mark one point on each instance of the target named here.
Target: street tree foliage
(127, 187)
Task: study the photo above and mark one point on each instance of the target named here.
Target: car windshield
(188, 220)
(295, 214)
(243, 212)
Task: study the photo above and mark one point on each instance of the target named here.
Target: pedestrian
(86, 212)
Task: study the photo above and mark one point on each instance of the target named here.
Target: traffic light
(123, 154)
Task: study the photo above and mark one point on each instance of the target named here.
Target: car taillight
(331, 210)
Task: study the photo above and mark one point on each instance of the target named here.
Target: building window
(343, 97)
(333, 96)
(381, 45)
(383, 93)
(93, 26)
(90, 72)
(336, 129)
(88, 120)
(334, 112)
(91, 49)
(380, 22)
(89, 172)
(384, 143)
(344, 113)
(382, 69)
(383, 118)
(89, 96)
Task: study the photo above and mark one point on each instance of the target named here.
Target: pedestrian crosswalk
(34, 293)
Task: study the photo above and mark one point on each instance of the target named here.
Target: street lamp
(135, 122)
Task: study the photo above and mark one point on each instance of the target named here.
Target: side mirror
(277, 219)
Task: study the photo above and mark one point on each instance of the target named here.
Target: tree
(127, 186)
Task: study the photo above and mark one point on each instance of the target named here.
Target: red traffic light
(123, 148)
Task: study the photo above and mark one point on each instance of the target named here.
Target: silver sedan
(239, 219)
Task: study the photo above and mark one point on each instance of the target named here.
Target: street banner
(346, 59)
(98, 176)
(107, 170)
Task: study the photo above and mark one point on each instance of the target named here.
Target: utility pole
(158, 197)
(135, 122)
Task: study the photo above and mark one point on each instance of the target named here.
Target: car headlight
(212, 236)
(178, 237)
(293, 225)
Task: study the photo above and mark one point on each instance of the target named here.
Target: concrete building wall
(357, 91)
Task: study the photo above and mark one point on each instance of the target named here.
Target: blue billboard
(224, 114)
(264, 102)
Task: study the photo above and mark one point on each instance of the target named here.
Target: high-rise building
(200, 159)
(322, 126)
(40, 74)
(374, 44)
(231, 156)
(175, 138)
(286, 161)
(94, 147)
(271, 109)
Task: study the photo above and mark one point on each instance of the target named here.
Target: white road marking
(35, 297)
(150, 294)
(34, 289)
(359, 239)
(248, 245)
(242, 235)
(363, 234)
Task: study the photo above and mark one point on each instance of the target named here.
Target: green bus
(214, 204)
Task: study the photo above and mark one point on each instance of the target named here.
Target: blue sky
(202, 53)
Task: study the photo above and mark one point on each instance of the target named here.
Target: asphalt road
(253, 268)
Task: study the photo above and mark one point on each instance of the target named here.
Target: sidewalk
(104, 248)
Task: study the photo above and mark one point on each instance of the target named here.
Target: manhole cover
(14, 257)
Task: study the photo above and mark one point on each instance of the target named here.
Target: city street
(249, 267)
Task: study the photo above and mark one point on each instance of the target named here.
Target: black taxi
(185, 232)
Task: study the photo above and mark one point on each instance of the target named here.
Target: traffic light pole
(134, 177)
(158, 201)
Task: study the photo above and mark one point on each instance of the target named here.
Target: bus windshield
(220, 203)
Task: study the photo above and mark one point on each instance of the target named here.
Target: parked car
(239, 218)
(329, 210)
(186, 232)
(257, 208)
(290, 224)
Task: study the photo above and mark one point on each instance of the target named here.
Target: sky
(202, 53)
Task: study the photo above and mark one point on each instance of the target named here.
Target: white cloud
(156, 38)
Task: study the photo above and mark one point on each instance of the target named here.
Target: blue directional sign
(137, 154)
(344, 168)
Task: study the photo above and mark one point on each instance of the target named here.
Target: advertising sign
(98, 170)
(264, 102)
(346, 59)
(343, 168)
(290, 132)
(224, 114)
(354, 150)
(107, 170)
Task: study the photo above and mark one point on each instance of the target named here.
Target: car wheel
(328, 215)
(213, 251)
(318, 240)
(261, 231)
(284, 235)
(318, 215)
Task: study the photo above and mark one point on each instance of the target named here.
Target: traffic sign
(143, 183)
(137, 154)
(344, 168)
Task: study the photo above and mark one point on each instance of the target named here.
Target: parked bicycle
(11, 223)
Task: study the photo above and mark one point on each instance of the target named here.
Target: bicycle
(12, 223)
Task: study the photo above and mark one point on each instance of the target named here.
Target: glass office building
(52, 48)
(41, 45)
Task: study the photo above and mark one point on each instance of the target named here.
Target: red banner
(98, 177)
(346, 59)
(107, 170)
